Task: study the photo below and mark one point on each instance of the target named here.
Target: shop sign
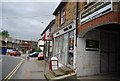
(97, 10)
(92, 45)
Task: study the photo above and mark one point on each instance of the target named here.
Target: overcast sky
(26, 20)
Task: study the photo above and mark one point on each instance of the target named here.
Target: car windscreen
(40, 53)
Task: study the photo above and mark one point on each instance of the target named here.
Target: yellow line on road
(13, 71)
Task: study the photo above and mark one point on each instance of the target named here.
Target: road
(29, 69)
(8, 64)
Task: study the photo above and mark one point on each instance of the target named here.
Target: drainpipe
(76, 20)
(75, 52)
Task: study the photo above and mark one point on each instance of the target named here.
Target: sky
(26, 19)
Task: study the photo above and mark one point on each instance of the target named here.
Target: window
(88, 1)
(62, 15)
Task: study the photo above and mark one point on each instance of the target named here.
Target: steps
(61, 73)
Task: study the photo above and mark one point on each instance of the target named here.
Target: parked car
(34, 54)
(41, 56)
(15, 53)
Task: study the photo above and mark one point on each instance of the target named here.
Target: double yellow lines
(13, 71)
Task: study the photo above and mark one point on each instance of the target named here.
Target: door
(104, 52)
(108, 50)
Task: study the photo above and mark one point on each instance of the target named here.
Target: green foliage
(5, 33)
(36, 50)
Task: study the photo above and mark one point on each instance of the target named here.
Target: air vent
(70, 27)
(65, 29)
(57, 33)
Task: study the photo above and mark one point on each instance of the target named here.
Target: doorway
(109, 51)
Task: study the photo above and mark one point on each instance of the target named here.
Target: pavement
(31, 69)
(101, 77)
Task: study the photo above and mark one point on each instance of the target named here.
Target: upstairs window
(62, 15)
(88, 1)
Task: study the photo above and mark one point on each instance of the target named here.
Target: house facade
(87, 36)
(65, 33)
(16, 44)
(41, 44)
(98, 46)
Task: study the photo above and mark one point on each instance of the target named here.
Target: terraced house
(87, 36)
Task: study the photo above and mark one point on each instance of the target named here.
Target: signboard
(48, 36)
(92, 45)
(97, 10)
(53, 63)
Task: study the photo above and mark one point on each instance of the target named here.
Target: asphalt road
(8, 64)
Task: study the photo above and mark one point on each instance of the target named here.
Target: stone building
(87, 36)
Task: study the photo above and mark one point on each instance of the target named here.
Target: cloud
(26, 20)
(30, 0)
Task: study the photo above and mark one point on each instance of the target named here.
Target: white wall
(88, 62)
(40, 42)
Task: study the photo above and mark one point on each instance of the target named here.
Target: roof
(49, 26)
(60, 6)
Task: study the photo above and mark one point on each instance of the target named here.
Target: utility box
(53, 63)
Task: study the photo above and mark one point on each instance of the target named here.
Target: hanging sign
(48, 36)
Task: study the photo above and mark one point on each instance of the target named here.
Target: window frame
(62, 16)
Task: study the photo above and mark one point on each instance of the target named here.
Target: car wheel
(10, 55)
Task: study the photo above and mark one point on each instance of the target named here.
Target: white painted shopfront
(64, 45)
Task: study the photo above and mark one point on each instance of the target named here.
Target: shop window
(71, 40)
(62, 15)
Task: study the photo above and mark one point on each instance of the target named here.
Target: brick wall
(70, 14)
(110, 17)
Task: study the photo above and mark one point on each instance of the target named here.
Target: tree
(5, 33)
(36, 50)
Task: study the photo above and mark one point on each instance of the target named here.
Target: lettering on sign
(92, 45)
(97, 10)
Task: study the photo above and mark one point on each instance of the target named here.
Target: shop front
(64, 48)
